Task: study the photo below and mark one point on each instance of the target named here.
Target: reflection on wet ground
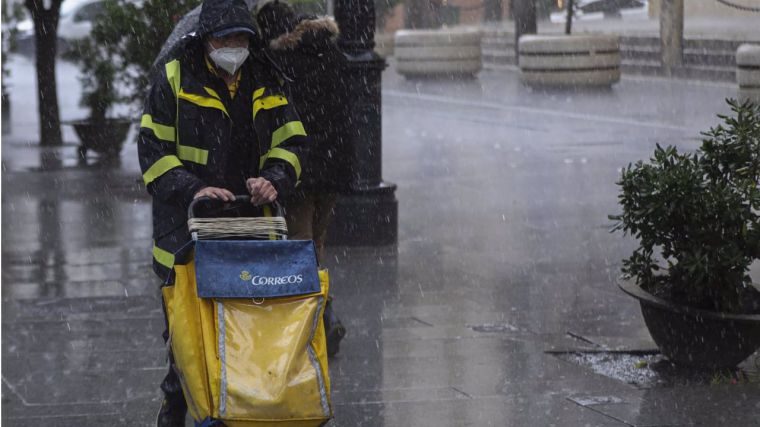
(503, 254)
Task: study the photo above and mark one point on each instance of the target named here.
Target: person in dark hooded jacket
(304, 47)
(216, 123)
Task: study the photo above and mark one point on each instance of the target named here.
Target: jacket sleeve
(281, 136)
(164, 175)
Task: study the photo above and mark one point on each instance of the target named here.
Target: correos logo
(276, 281)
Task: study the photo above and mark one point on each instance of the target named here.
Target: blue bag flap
(255, 268)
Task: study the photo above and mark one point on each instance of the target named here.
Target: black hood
(222, 14)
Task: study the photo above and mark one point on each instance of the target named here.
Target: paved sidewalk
(497, 307)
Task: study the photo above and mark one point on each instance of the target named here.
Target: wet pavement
(496, 307)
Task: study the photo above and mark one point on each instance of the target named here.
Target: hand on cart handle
(262, 191)
(218, 208)
(215, 193)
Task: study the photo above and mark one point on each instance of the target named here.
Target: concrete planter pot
(106, 139)
(431, 53)
(748, 72)
(566, 61)
(695, 337)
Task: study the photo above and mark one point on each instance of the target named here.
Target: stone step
(639, 53)
(639, 41)
(645, 68)
(712, 44)
(706, 72)
(498, 57)
(691, 72)
(712, 58)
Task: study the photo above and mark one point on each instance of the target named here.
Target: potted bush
(124, 42)
(697, 219)
(99, 132)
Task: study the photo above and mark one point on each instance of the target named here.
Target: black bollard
(368, 214)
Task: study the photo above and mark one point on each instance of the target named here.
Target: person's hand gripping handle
(262, 191)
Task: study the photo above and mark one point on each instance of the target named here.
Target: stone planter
(748, 72)
(104, 139)
(696, 337)
(578, 60)
(431, 53)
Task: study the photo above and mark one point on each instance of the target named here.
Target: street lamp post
(368, 214)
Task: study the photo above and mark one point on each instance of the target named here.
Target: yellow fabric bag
(248, 362)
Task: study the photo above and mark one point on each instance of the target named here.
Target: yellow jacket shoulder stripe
(211, 92)
(162, 165)
(172, 74)
(282, 154)
(164, 132)
(192, 154)
(202, 101)
(286, 131)
(268, 103)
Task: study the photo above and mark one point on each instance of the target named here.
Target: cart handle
(239, 200)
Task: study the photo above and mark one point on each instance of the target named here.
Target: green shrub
(99, 92)
(134, 33)
(697, 217)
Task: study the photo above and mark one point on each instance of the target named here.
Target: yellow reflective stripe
(286, 131)
(258, 93)
(282, 154)
(211, 92)
(163, 132)
(172, 74)
(163, 165)
(268, 103)
(163, 257)
(202, 101)
(192, 154)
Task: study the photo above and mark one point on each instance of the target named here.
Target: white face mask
(229, 59)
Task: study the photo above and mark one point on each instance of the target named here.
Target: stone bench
(577, 60)
(430, 53)
(748, 72)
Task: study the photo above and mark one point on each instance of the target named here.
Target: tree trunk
(46, 35)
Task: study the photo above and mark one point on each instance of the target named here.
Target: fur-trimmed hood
(317, 26)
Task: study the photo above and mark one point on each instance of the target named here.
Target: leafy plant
(134, 33)
(99, 92)
(11, 15)
(697, 217)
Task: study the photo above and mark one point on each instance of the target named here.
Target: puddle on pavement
(646, 369)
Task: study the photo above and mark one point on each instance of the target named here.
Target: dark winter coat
(193, 135)
(307, 53)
